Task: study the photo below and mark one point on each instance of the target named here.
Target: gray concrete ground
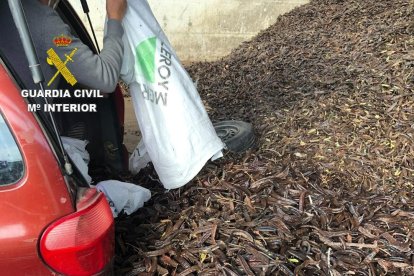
(132, 135)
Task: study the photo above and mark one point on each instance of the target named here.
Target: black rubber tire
(237, 135)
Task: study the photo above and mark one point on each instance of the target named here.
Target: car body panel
(40, 197)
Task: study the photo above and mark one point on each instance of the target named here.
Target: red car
(51, 222)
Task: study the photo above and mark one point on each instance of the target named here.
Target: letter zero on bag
(178, 136)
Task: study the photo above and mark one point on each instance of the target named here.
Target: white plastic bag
(177, 132)
(123, 196)
(139, 158)
(76, 149)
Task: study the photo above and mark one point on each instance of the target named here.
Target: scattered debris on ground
(329, 188)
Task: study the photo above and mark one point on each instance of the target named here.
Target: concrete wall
(205, 29)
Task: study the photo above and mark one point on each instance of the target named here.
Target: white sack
(139, 158)
(76, 149)
(123, 196)
(177, 132)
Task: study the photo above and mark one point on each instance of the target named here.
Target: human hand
(116, 9)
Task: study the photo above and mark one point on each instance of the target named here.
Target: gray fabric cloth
(91, 70)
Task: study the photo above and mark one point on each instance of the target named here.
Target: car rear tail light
(81, 243)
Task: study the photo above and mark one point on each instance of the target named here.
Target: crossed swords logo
(54, 59)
